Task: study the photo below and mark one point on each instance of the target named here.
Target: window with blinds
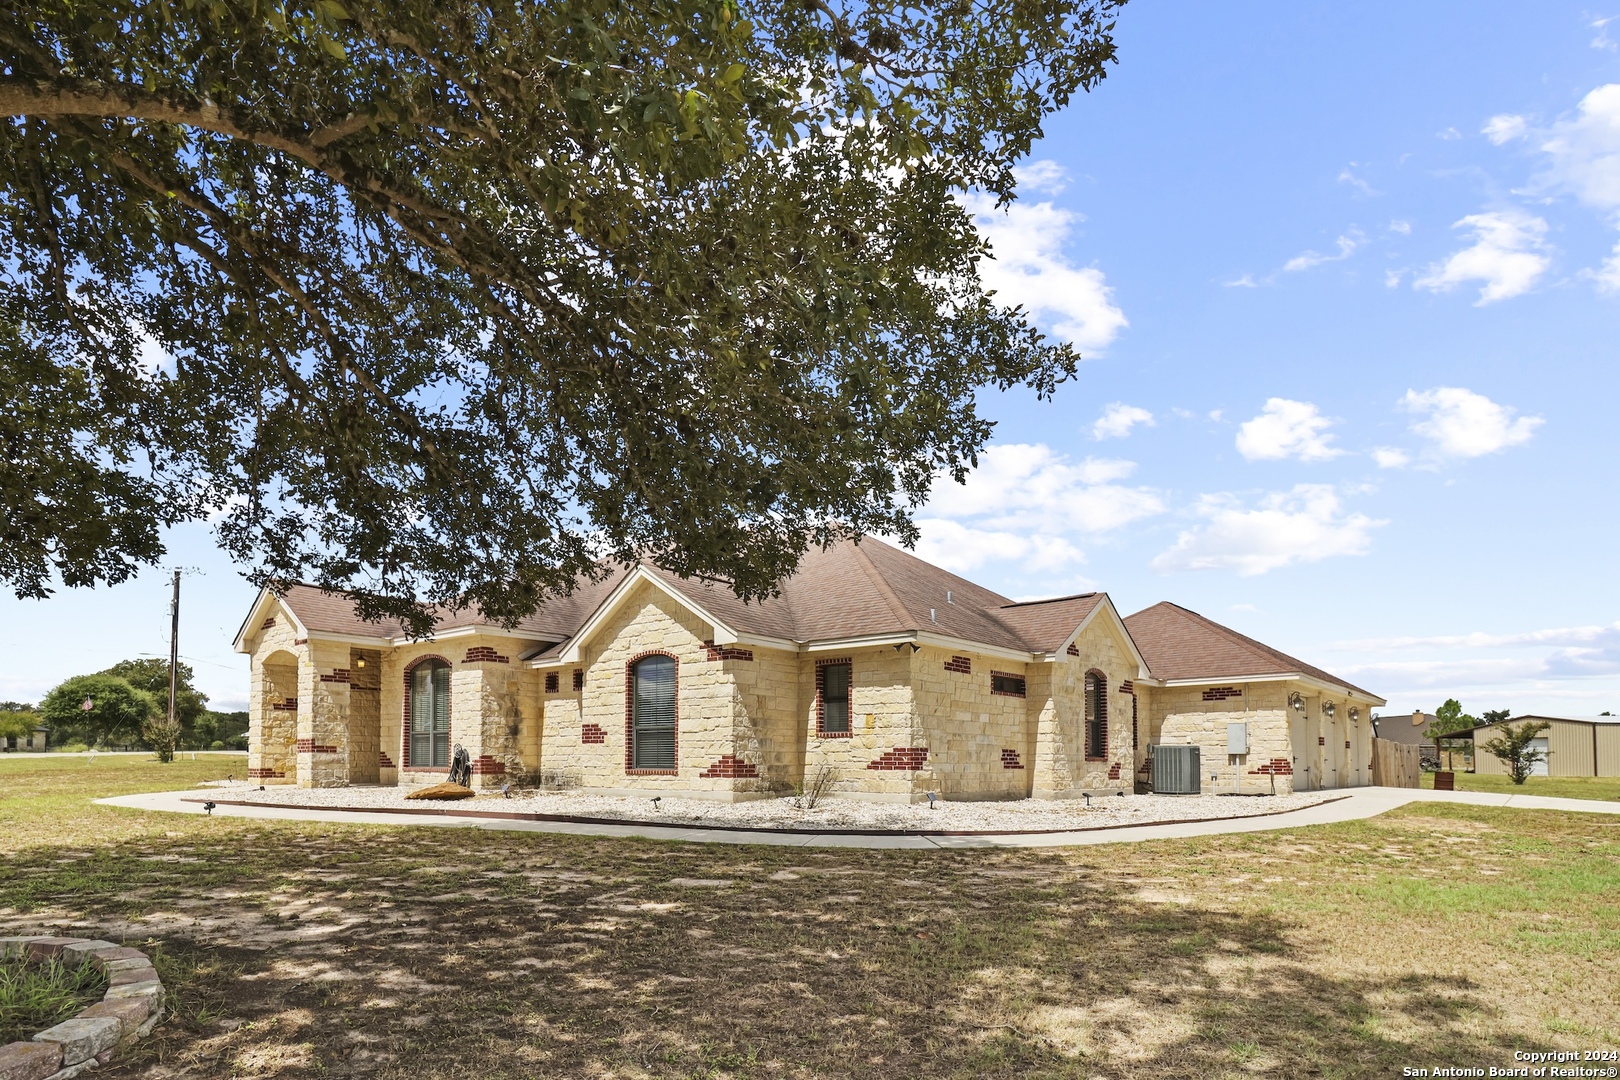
(652, 713)
(834, 680)
(430, 714)
(1096, 714)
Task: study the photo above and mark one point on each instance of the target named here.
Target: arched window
(430, 714)
(1096, 714)
(652, 713)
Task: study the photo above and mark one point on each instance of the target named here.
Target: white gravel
(1023, 815)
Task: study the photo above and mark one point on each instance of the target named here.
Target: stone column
(323, 716)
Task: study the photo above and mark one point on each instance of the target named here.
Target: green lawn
(1441, 934)
(1559, 787)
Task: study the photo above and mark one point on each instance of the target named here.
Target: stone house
(885, 674)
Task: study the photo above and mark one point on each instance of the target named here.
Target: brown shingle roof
(1182, 644)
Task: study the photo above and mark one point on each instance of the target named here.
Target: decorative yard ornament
(88, 705)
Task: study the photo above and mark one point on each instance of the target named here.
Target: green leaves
(458, 298)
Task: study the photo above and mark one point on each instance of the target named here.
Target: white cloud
(1389, 457)
(1504, 128)
(961, 549)
(1608, 275)
(1118, 419)
(1347, 245)
(1400, 228)
(1025, 503)
(1507, 255)
(1307, 524)
(1585, 151)
(1287, 429)
(1578, 636)
(1449, 135)
(1029, 268)
(1362, 187)
(1042, 176)
(1603, 40)
(1246, 281)
(1462, 424)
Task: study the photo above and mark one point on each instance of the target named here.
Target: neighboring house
(896, 675)
(36, 740)
(1410, 730)
(1575, 746)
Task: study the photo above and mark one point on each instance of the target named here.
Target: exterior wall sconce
(1296, 701)
(1328, 709)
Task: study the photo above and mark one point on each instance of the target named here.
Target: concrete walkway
(1355, 804)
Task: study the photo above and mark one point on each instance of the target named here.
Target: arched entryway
(273, 728)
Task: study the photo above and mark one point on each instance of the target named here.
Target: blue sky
(1348, 283)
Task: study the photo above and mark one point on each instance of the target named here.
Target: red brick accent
(901, 759)
(1128, 686)
(579, 679)
(1113, 771)
(384, 761)
(820, 734)
(962, 665)
(1275, 767)
(1222, 693)
(284, 705)
(729, 767)
(630, 717)
(268, 623)
(593, 735)
(484, 654)
(553, 680)
(1347, 744)
(310, 746)
(300, 641)
(340, 675)
(1073, 649)
(484, 765)
(1321, 740)
(405, 721)
(1009, 760)
(726, 652)
(265, 774)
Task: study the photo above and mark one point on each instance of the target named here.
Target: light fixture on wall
(1328, 710)
(1355, 715)
(360, 662)
(1296, 701)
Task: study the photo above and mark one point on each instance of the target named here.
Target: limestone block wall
(648, 621)
(769, 733)
(977, 739)
(274, 656)
(1062, 768)
(885, 727)
(365, 716)
(1290, 750)
(323, 715)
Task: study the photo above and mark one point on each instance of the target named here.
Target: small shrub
(807, 795)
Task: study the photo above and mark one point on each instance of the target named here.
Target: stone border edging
(576, 819)
(131, 1007)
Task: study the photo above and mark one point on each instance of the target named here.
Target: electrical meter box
(1237, 738)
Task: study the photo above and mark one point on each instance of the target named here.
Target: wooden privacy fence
(1396, 764)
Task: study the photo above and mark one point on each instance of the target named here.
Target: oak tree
(441, 302)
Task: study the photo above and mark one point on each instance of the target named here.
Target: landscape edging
(130, 1008)
(575, 819)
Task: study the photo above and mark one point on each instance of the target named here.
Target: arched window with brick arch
(427, 714)
(1096, 715)
(652, 713)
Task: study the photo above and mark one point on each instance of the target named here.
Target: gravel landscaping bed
(781, 813)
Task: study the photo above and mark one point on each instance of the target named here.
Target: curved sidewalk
(1350, 804)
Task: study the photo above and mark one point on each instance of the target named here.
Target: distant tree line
(126, 707)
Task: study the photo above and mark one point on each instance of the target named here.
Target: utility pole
(174, 646)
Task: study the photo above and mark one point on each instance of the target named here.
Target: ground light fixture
(656, 800)
(931, 798)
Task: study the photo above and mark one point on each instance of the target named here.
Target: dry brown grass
(1351, 950)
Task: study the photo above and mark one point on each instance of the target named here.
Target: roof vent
(948, 599)
(931, 617)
